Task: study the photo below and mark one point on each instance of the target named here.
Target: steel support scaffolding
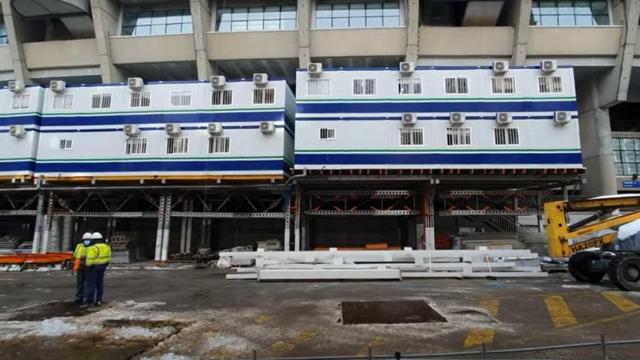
(465, 203)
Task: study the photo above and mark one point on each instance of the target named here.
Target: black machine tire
(624, 272)
(579, 267)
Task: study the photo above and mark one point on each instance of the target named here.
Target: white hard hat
(96, 236)
(87, 236)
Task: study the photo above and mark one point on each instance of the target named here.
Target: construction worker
(79, 263)
(98, 258)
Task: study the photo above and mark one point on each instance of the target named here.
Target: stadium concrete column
(413, 28)
(520, 16)
(105, 15)
(304, 42)
(201, 11)
(595, 138)
(15, 28)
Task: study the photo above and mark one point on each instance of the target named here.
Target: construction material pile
(381, 265)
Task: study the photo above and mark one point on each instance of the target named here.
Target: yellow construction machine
(592, 244)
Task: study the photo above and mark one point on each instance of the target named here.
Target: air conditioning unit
(214, 129)
(409, 119)
(314, 69)
(172, 129)
(561, 118)
(456, 118)
(407, 68)
(135, 83)
(16, 86)
(503, 118)
(267, 127)
(260, 79)
(17, 131)
(218, 81)
(548, 66)
(500, 67)
(131, 130)
(57, 86)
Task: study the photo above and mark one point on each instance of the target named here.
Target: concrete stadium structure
(108, 41)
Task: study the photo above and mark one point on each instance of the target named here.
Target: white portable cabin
(353, 119)
(174, 130)
(19, 125)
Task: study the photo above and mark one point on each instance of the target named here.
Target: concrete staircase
(472, 240)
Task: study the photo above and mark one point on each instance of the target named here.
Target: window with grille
(221, 97)
(65, 144)
(136, 146)
(327, 134)
(4, 38)
(140, 99)
(409, 87)
(218, 144)
(458, 136)
(457, 85)
(177, 145)
(626, 152)
(318, 87)
(255, 18)
(362, 14)
(506, 136)
(157, 22)
(549, 84)
(20, 101)
(181, 98)
(570, 13)
(62, 101)
(101, 101)
(503, 85)
(411, 137)
(264, 96)
(364, 86)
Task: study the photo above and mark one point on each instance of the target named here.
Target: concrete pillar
(67, 233)
(520, 16)
(595, 138)
(413, 27)
(286, 242)
(54, 237)
(304, 37)
(46, 232)
(106, 14)
(15, 32)
(298, 214)
(160, 230)
(167, 229)
(201, 12)
(189, 229)
(39, 226)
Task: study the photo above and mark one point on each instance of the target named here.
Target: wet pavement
(193, 314)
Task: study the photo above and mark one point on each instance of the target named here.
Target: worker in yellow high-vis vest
(98, 258)
(79, 263)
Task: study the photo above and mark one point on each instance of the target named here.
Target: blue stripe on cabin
(448, 106)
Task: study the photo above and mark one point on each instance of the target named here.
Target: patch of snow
(142, 332)
(55, 327)
(167, 356)
(10, 268)
(577, 286)
(228, 342)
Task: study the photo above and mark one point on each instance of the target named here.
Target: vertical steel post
(166, 231)
(183, 229)
(286, 207)
(298, 214)
(47, 225)
(160, 233)
(603, 344)
(37, 233)
(189, 227)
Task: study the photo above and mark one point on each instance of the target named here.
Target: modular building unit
(170, 130)
(437, 118)
(19, 126)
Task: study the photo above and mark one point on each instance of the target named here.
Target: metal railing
(484, 353)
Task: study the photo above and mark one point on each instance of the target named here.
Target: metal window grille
(318, 87)
(181, 98)
(456, 85)
(177, 145)
(62, 101)
(411, 137)
(140, 99)
(65, 144)
(256, 18)
(410, 86)
(506, 136)
(364, 86)
(503, 85)
(219, 144)
(101, 101)
(458, 136)
(550, 84)
(177, 21)
(327, 134)
(136, 146)
(264, 96)
(222, 97)
(20, 101)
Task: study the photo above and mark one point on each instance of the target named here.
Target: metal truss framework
(508, 203)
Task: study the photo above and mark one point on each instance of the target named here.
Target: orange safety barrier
(46, 258)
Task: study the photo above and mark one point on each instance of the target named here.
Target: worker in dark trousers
(79, 263)
(98, 258)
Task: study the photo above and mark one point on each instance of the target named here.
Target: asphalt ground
(203, 315)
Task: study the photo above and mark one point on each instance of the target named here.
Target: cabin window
(140, 99)
(136, 146)
(456, 85)
(550, 84)
(411, 86)
(218, 144)
(506, 136)
(458, 136)
(327, 134)
(264, 96)
(177, 145)
(62, 101)
(411, 137)
(503, 85)
(101, 101)
(318, 87)
(222, 97)
(364, 86)
(20, 101)
(181, 98)
(65, 144)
